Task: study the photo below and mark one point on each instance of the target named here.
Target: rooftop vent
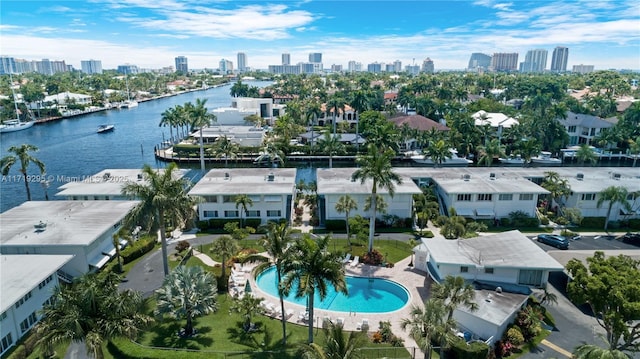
(580, 176)
(271, 177)
(498, 289)
(616, 176)
(466, 177)
(227, 175)
(492, 176)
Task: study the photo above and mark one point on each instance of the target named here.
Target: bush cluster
(385, 335)
(182, 246)
(138, 249)
(374, 258)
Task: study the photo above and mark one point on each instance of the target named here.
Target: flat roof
(484, 184)
(518, 172)
(510, 249)
(20, 273)
(67, 222)
(338, 180)
(495, 307)
(234, 181)
(108, 182)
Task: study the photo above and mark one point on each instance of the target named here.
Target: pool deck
(416, 282)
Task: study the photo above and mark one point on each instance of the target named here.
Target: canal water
(71, 148)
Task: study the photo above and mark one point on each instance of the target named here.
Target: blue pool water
(366, 295)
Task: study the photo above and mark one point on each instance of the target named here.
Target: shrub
(514, 335)
(562, 221)
(335, 224)
(441, 220)
(544, 220)
(462, 350)
(396, 341)
(473, 226)
(503, 348)
(592, 222)
(182, 246)
(202, 225)
(634, 223)
(385, 331)
(374, 258)
(138, 249)
(377, 337)
(505, 222)
(427, 234)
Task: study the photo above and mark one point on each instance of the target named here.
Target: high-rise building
(505, 61)
(182, 64)
(315, 57)
(128, 69)
(44, 67)
(225, 66)
(534, 61)
(24, 66)
(397, 66)
(286, 58)
(336, 68)
(413, 70)
(582, 69)
(242, 62)
(479, 61)
(559, 59)
(284, 69)
(7, 65)
(354, 66)
(91, 66)
(374, 67)
(308, 67)
(427, 66)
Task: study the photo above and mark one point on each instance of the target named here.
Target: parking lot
(591, 243)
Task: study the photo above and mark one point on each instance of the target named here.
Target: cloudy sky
(151, 33)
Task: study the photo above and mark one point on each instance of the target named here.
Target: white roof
(232, 181)
(494, 119)
(510, 249)
(484, 184)
(61, 97)
(67, 222)
(494, 307)
(20, 273)
(338, 181)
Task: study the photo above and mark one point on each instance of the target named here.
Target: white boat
(512, 160)
(106, 128)
(455, 160)
(544, 158)
(129, 104)
(15, 124)
(265, 160)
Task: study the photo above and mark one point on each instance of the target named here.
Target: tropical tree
(91, 310)
(558, 187)
(454, 292)
(312, 268)
(375, 166)
(634, 149)
(224, 246)
(412, 243)
(490, 151)
(123, 233)
(163, 199)
(331, 145)
(586, 154)
(21, 154)
(247, 306)
(199, 118)
(591, 351)
(225, 148)
(613, 195)
(188, 292)
(438, 152)
(243, 202)
(345, 205)
(334, 105)
(312, 112)
(425, 324)
(336, 345)
(170, 118)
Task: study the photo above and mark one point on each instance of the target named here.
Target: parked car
(554, 240)
(631, 238)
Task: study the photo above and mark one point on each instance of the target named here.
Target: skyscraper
(479, 61)
(354, 66)
(559, 59)
(582, 69)
(242, 62)
(7, 65)
(505, 61)
(397, 66)
(315, 57)
(427, 66)
(225, 66)
(534, 61)
(182, 64)
(91, 66)
(286, 58)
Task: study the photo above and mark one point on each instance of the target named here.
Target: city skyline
(151, 34)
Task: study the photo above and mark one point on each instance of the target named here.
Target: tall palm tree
(92, 310)
(243, 202)
(335, 104)
(21, 154)
(312, 112)
(200, 119)
(277, 245)
(634, 149)
(331, 144)
(359, 102)
(376, 167)
(454, 292)
(122, 233)
(226, 148)
(586, 154)
(312, 268)
(613, 195)
(188, 292)
(425, 324)
(336, 344)
(489, 152)
(163, 199)
(345, 205)
(226, 247)
(169, 118)
(247, 306)
(558, 187)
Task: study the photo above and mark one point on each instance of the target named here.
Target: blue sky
(151, 33)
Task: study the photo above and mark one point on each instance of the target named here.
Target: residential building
(479, 61)
(354, 66)
(271, 190)
(559, 59)
(24, 66)
(262, 107)
(83, 229)
(60, 66)
(225, 66)
(419, 123)
(44, 67)
(413, 70)
(582, 69)
(27, 283)
(496, 120)
(336, 68)
(389, 68)
(285, 69)
(347, 113)
(128, 69)
(242, 135)
(374, 67)
(427, 66)
(91, 66)
(309, 67)
(504, 62)
(182, 64)
(7, 65)
(584, 128)
(286, 59)
(534, 61)
(397, 66)
(334, 183)
(66, 98)
(315, 57)
(242, 62)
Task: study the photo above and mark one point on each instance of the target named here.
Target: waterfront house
(83, 229)
(583, 128)
(416, 123)
(26, 285)
(272, 191)
(68, 98)
(334, 183)
(347, 114)
(496, 120)
(246, 136)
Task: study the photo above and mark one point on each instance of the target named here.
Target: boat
(129, 103)
(544, 158)
(455, 160)
(265, 160)
(106, 128)
(512, 160)
(15, 124)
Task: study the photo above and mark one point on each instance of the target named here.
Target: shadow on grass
(260, 340)
(167, 336)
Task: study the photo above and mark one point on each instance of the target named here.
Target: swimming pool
(366, 295)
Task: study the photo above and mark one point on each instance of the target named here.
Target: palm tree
(336, 344)
(247, 306)
(591, 351)
(454, 292)
(92, 310)
(122, 233)
(376, 166)
(170, 118)
(438, 152)
(634, 149)
(243, 202)
(163, 199)
(345, 205)
(586, 154)
(21, 154)
(412, 244)
(200, 118)
(312, 112)
(489, 152)
(548, 297)
(312, 268)
(225, 148)
(331, 144)
(335, 104)
(359, 102)
(613, 195)
(427, 323)
(188, 292)
(224, 246)
(558, 187)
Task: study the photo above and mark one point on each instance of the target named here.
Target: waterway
(71, 148)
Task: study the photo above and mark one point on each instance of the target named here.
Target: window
(228, 199)
(6, 342)
(210, 214)
(593, 132)
(273, 198)
(484, 197)
(464, 269)
(526, 196)
(254, 197)
(588, 196)
(27, 323)
(23, 299)
(464, 197)
(530, 277)
(45, 282)
(274, 213)
(488, 270)
(253, 213)
(210, 199)
(571, 129)
(505, 197)
(231, 214)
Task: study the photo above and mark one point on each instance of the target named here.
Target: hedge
(592, 222)
(143, 246)
(473, 350)
(634, 223)
(335, 224)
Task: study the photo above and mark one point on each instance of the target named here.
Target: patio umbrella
(247, 287)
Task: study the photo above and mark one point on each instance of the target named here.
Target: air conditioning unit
(227, 176)
(616, 176)
(580, 176)
(466, 177)
(492, 176)
(271, 177)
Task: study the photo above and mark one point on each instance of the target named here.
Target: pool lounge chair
(288, 313)
(347, 258)
(363, 325)
(355, 261)
(303, 316)
(340, 322)
(325, 322)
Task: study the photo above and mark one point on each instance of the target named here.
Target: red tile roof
(418, 122)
